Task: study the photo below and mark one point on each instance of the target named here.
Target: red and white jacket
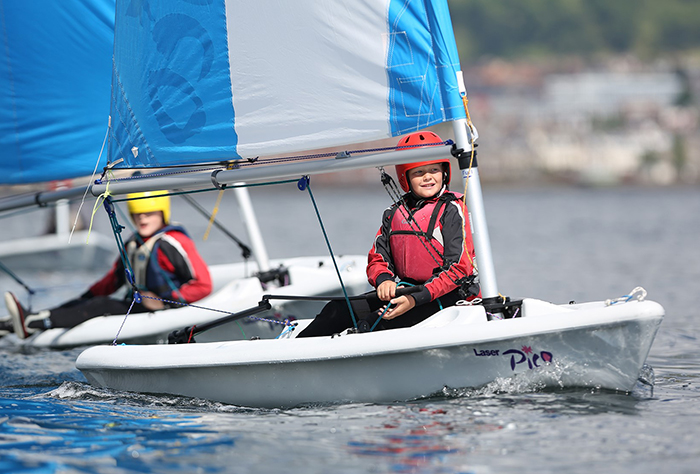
(423, 242)
(177, 256)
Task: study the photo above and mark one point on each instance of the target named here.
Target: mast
(62, 218)
(477, 215)
(251, 225)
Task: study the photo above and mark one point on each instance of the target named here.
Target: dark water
(555, 244)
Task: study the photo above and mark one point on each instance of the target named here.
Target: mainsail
(210, 80)
(202, 81)
(55, 65)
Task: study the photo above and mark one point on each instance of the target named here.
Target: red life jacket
(416, 242)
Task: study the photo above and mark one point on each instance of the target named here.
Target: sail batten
(228, 79)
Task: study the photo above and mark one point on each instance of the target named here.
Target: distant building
(606, 93)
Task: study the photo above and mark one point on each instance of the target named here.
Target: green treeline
(532, 28)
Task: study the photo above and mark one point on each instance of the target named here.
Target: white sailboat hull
(589, 345)
(233, 292)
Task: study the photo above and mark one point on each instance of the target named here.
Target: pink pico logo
(527, 355)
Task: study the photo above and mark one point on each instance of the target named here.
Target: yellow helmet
(150, 201)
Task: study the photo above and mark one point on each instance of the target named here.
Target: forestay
(208, 80)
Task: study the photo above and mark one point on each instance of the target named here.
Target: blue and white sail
(210, 80)
(55, 71)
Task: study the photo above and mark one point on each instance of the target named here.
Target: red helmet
(420, 138)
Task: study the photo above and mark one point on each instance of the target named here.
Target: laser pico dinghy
(236, 287)
(265, 83)
(588, 345)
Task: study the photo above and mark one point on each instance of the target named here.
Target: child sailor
(165, 263)
(424, 239)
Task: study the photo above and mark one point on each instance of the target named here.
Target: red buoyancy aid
(417, 244)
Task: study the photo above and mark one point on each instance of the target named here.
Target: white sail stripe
(312, 109)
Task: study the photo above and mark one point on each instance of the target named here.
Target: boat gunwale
(442, 337)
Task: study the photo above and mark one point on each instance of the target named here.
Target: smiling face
(426, 181)
(148, 223)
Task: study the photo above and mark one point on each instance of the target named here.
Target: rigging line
(205, 190)
(244, 248)
(87, 188)
(286, 322)
(304, 183)
(388, 305)
(114, 342)
(465, 101)
(180, 303)
(117, 230)
(16, 278)
(386, 308)
(161, 174)
(176, 193)
(215, 211)
(140, 297)
(100, 200)
(284, 159)
(194, 191)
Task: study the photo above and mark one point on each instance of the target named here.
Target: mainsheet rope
(305, 183)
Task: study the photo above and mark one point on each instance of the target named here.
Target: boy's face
(426, 180)
(148, 223)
